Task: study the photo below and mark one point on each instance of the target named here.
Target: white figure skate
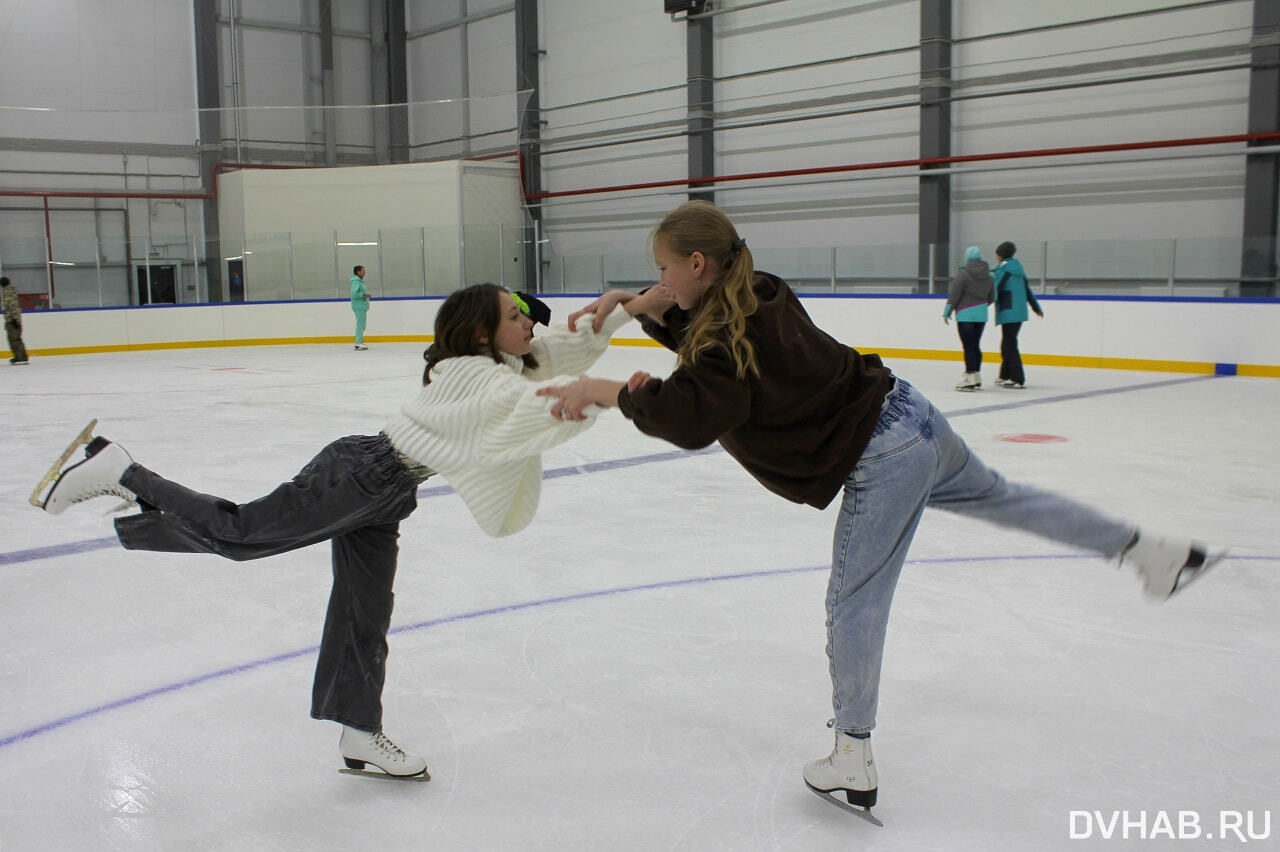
(849, 769)
(1168, 565)
(97, 476)
(362, 748)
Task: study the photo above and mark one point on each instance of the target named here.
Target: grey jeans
(354, 493)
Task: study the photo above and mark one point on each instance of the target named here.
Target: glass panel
(267, 272)
(484, 254)
(354, 249)
(1110, 267)
(22, 260)
(77, 277)
(314, 273)
(582, 273)
(231, 267)
(443, 260)
(553, 274)
(876, 269)
(515, 241)
(402, 263)
(1211, 267)
(629, 271)
(99, 265)
(807, 270)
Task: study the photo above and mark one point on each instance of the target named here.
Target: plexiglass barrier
(107, 270)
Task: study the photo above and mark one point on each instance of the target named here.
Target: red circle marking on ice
(1030, 438)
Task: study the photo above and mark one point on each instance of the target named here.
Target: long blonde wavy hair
(720, 317)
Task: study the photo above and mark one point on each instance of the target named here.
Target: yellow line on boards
(1085, 361)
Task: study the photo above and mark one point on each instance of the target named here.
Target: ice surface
(643, 667)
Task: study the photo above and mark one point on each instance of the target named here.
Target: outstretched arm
(572, 398)
(652, 303)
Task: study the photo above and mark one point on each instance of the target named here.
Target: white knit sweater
(482, 427)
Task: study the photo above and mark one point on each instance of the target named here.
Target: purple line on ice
(140, 697)
(16, 556)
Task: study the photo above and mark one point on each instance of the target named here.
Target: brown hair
(465, 317)
(720, 317)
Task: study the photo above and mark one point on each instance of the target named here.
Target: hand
(571, 399)
(601, 307)
(638, 380)
(946, 320)
(1040, 314)
(653, 303)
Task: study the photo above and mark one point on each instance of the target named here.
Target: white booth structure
(418, 229)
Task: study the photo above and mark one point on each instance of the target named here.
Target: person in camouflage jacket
(13, 322)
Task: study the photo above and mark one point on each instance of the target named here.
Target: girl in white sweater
(477, 421)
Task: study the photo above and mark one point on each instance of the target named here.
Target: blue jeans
(915, 460)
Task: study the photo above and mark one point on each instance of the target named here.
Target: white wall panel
(353, 85)
(603, 50)
(131, 56)
(351, 15)
(273, 73)
(435, 61)
(275, 11)
(491, 76)
(431, 13)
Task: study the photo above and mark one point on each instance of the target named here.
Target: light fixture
(689, 7)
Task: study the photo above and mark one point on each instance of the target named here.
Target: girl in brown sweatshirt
(808, 416)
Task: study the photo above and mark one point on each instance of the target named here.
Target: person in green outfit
(359, 305)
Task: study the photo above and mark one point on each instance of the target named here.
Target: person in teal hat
(970, 293)
(1012, 297)
(359, 305)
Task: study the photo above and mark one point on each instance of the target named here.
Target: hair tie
(738, 245)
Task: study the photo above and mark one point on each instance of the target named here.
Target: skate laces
(105, 490)
(388, 748)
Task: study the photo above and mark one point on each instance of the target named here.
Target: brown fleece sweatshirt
(798, 428)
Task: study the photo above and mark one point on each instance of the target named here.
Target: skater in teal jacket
(1013, 294)
(359, 304)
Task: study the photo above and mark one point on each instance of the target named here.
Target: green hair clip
(532, 307)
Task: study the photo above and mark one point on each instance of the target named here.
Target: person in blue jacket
(969, 294)
(1012, 297)
(359, 305)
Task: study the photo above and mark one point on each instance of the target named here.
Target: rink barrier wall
(1176, 334)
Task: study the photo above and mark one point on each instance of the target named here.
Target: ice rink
(643, 667)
